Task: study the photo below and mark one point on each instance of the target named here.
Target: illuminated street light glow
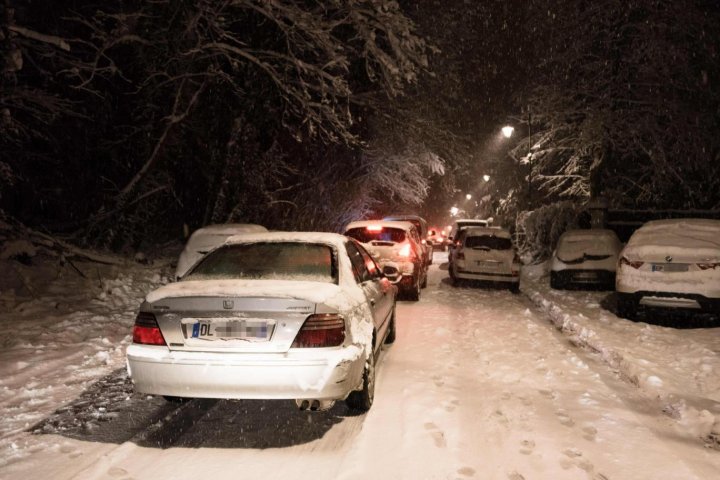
(468, 196)
(507, 131)
(454, 211)
(486, 178)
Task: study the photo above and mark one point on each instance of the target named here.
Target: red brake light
(146, 330)
(374, 228)
(405, 251)
(635, 265)
(321, 330)
(708, 266)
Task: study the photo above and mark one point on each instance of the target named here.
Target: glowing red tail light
(405, 250)
(146, 330)
(321, 330)
(635, 265)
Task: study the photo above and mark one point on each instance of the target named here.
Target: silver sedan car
(276, 315)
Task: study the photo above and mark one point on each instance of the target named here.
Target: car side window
(358, 263)
(372, 267)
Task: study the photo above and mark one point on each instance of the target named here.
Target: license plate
(669, 267)
(487, 265)
(228, 329)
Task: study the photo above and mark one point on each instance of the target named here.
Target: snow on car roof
(337, 296)
(382, 223)
(334, 239)
(494, 231)
(588, 234)
(701, 236)
(229, 229)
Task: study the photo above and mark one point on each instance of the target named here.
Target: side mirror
(392, 273)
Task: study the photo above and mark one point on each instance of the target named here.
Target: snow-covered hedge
(538, 230)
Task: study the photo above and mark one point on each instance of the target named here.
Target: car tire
(514, 288)
(413, 293)
(392, 330)
(424, 282)
(362, 400)
(626, 308)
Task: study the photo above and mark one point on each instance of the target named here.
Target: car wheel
(392, 330)
(362, 400)
(413, 293)
(555, 281)
(424, 282)
(626, 308)
(515, 288)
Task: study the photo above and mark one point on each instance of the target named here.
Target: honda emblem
(228, 304)
(668, 259)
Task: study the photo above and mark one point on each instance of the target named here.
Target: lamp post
(507, 132)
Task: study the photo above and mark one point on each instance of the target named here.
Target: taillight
(321, 330)
(708, 266)
(146, 330)
(635, 265)
(405, 250)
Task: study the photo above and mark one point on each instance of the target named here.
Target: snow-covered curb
(678, 369)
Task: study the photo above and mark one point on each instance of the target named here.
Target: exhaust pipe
(314, 405)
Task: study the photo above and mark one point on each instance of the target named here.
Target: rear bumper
(322, 374)
(676, 300)
(585, 277)
(487, 277)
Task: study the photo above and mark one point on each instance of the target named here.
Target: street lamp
(454, 211)
(486, 178)
(468, 196)
(507, 131)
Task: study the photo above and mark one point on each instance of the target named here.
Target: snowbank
(677, 368)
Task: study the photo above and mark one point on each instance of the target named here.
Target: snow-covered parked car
(276, 315)
(205, 239)
(397, 244)
(670, 264)
(486, 254)
(585, 258)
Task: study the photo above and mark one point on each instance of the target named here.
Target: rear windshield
(363, 235)
(488, 241)
(269, 261)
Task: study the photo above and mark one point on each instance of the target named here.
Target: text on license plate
(229, 329)
(669, 267)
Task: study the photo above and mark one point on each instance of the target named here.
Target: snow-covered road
(479, 384)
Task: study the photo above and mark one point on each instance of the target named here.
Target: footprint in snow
(450, 405)
(466, 471)
(437, 435)
(548, 394)
(527, 447)
(515, 476)
(117, 472)
(589, 433)
(565, 419)
(437, 379)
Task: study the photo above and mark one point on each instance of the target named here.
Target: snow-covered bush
(538, 231)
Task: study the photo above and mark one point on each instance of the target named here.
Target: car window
(372, 267)
(374, 233)
(269, 261)
(358, 263)
(488, 241)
